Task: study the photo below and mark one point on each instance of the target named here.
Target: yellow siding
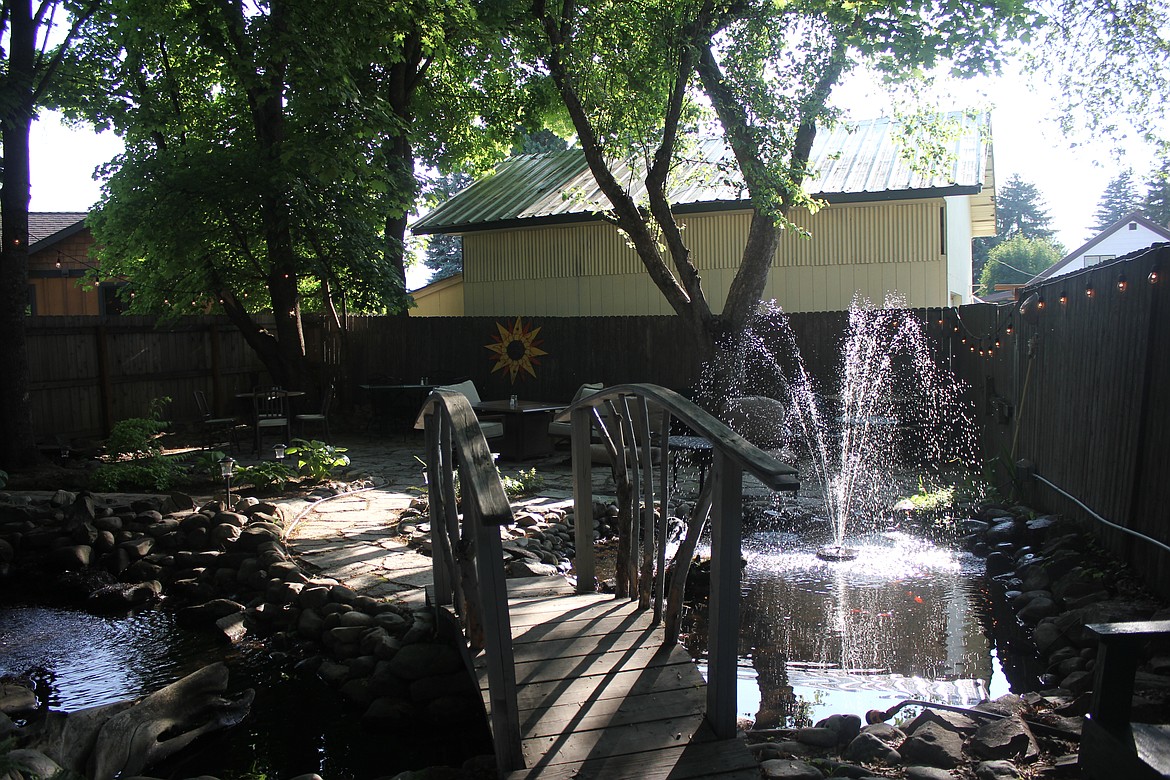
(588, 269)
(439, 299)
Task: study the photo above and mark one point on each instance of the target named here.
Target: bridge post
(441, 573)
(583, 499)
(723, 606)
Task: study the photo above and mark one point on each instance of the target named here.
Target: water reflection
(83, 660)
(902, 620)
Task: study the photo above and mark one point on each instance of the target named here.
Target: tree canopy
(1019, 211)
(1119, 198)
(1017, 260)
(641, 80)
(1156, 203)
(271, 147)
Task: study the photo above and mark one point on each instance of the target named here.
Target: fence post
(723, 606)
(583, 498)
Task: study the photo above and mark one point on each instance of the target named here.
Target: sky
(1026, 141)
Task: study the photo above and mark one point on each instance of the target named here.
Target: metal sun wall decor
(516, 349)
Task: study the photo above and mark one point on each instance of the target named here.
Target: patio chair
(559, 431)
(270, 412)
(214, 430)
(492, 427)
(317, 418)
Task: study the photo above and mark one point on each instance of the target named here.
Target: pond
(908, 618)
(297, 725)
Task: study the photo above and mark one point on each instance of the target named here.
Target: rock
(232, 626)
(73, 557)
(527, 568)
(425, 659)
(933, 745)
(31, 764)
(1009, 738)
(928, 773)
(867, 747)
(846, 726)
(389, 712)
(789, 769)
(817, 737)
(15, 698)
(206, 614)
(1037, 609)
(453, 710)
(996, 770)
(1008, 704)
(119, 596)
(951, 721)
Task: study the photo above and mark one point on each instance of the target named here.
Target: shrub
(317, 459)
(265, 474)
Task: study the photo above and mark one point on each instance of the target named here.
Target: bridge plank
(599, 696)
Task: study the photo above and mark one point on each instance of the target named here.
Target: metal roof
(853, 161)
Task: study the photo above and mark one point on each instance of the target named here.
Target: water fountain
(894, 408)
(847, 606)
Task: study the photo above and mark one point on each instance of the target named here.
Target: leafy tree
(636, 79)
(1108, 59)
(28, 67)
(1017, 260)
(1156, 203)
(1120, 198)
(1019, 210)
(270, 150)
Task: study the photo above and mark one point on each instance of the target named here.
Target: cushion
(565, 429)
(467, 388)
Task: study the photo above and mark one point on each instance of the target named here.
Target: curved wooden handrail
(765, 467)
(467, 554)
(629, 406)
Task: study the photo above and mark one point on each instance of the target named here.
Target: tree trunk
(17, 441)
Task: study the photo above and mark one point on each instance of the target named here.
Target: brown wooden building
(58, 259)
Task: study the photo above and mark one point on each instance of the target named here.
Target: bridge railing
(623, 416)
(467, 555)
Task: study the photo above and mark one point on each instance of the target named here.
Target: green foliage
(1119, 199)
(207, 464)
(1019, 211)
(525, 483)
(1016, 261)
(317, 459)
(264, 475)
(929, 499)
(157, 473)
(137, 437)
(134, 459)
(1156, 203)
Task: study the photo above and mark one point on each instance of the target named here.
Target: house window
(1097, 259)
(1133, 226)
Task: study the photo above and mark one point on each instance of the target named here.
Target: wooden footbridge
(579, 684)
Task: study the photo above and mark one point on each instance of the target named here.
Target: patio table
(525, 427)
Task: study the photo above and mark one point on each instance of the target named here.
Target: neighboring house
(534, 243)
(443, 298)
(58, 256)
(1128, 234)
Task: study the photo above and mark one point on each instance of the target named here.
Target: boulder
(789, 769)
(1009, 738)
(933, 745)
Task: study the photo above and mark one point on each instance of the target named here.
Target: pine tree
(1120, 198)
(1019, 211)
(1156, 204)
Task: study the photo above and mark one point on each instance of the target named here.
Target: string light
(1122, 284)
(1040, 303)
(1063, 298)
(1153, 277)
(1089, 291)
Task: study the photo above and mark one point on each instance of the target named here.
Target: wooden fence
(1078, 388)
(85, 373)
